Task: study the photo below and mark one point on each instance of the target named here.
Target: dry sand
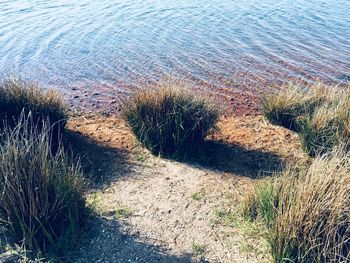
(155, 210)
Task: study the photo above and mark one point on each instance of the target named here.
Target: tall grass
(41, 200)
(261, 203)
(168, 119)
(295, 101)
(45, 105)
(312, 215)
(320, 114)
(328, 127)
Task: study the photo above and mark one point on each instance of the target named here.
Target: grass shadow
(111, 241)
(101, 164)
(104, 238)
(234, 158)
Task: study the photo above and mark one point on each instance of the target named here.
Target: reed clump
(319, 114)
(294, 101)
(328, 127)
(45, 105)
(41, 203)
(168, 119)
(311, 211)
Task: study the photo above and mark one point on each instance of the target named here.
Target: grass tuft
(168, 119)
(45, 105)
(320, 114)
(198, 249)
(41, 203)
(311, 214)
(123, 212)
(261, 202)
(327, 128)
(196, 196)
(294, 101)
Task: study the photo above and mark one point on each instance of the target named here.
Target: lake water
(224, 44)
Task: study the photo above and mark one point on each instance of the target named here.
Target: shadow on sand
(105, 239)
(100, 163)
(109, 241)
(103, 164)
(234, 158)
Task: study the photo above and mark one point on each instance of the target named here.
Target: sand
(150, 209)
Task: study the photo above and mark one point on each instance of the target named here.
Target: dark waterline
(225, 44)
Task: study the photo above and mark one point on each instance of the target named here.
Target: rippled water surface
(218, 42)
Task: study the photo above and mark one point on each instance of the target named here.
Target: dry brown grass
(311, 211)
(328, 126)
(293, 101)
(319, 113)
(313, 224)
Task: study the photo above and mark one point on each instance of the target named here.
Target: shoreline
(238, 99)
(106, 100)
(149, 208)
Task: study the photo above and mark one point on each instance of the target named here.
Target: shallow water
(224, 43)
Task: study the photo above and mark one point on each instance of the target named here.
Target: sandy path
(155, 210)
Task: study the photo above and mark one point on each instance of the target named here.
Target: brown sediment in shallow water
(107, 99)
(239, 94)
(158, 210)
